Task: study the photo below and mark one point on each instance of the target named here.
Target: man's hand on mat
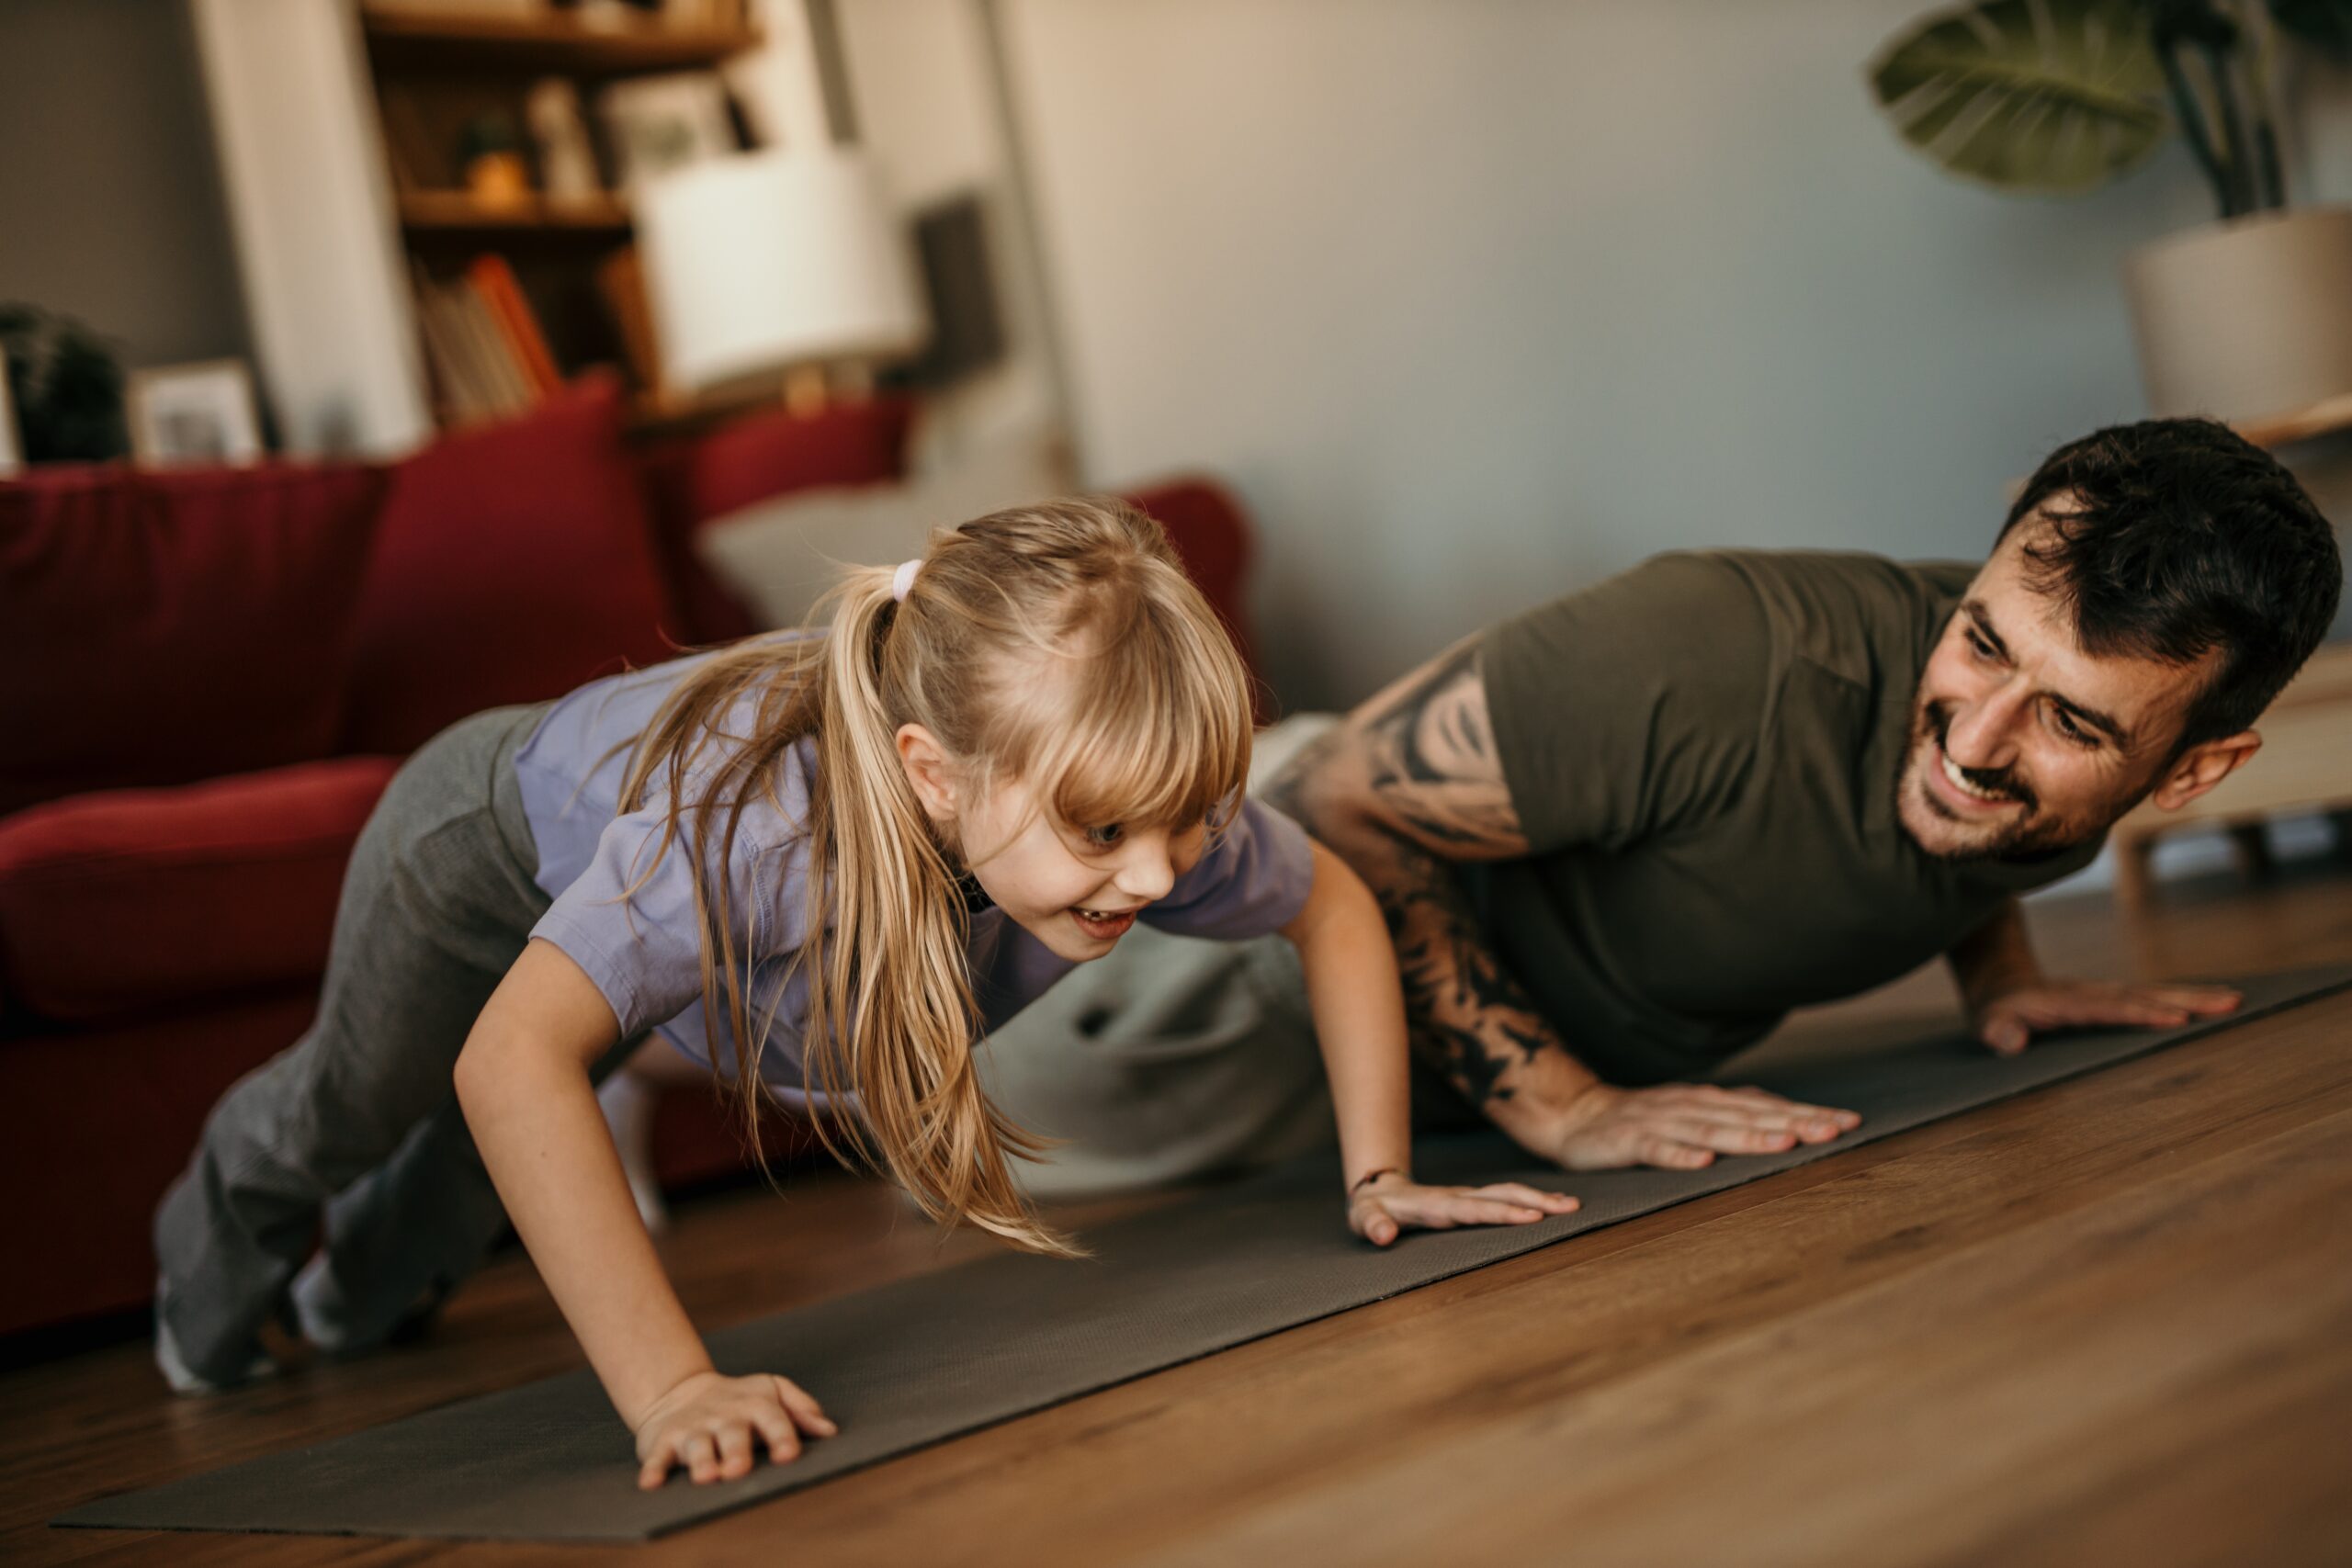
(1682, 1126)
(2008, 1020)
(706, 1427)
(1396, 1203)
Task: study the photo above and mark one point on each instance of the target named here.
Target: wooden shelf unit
(554, 44)
(457, 213)
(435, 71)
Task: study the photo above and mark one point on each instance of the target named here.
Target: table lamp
(775, 261)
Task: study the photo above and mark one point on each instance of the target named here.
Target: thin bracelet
(1368, 1178)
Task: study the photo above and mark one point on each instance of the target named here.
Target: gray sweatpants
(357, 1121)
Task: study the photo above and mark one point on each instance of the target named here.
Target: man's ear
(926, 761)
(2202, 766)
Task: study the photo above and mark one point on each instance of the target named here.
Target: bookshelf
(506, 284)
(553, 44)
(428, 212)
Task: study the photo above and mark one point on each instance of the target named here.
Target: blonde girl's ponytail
(1060, 645)
(895, 988)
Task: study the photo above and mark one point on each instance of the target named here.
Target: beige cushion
(779, 555)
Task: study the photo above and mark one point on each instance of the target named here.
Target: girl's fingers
(1446, 1209)
(735, 1451)
(656, 1468)
(777, 1431)
(1529, 1197)
(807, 1413)
(702, 1457)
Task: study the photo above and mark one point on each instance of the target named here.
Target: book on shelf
(622, 280)
(455, 393)
(476, 369)
(502, 292)
(495, 354)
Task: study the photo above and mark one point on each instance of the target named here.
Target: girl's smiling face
(1076, 888)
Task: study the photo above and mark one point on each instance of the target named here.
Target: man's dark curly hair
(2175, 537)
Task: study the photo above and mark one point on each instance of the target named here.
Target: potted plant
(2248, 318)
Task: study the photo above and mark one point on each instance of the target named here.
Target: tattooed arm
(1409, 784)
(1406, 785)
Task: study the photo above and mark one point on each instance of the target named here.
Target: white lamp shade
(765, 260)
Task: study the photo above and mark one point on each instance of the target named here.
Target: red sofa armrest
(123, 902)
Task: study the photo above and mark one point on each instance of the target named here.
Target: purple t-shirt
(642, 949)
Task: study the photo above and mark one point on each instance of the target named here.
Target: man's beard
(2028, 835)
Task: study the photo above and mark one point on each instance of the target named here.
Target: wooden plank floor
(2107, 1322)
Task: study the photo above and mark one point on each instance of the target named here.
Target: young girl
(823, 864)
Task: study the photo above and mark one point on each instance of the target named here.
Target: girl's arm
(1359, 1007)
(523, 1083)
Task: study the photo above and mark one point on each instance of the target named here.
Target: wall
(310, 205)
(924, 92)
(1482, 301)
(111, 202)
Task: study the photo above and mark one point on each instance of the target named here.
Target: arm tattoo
(1431, 750)
(1419, 765)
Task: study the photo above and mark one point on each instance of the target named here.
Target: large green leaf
(2056, 96)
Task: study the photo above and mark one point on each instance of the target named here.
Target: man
(1619, 837)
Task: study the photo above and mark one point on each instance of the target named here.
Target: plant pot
(2245, 320)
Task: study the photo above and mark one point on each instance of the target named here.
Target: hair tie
(902, 579)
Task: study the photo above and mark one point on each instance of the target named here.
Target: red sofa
(209, 677)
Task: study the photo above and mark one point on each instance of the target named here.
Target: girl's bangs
(1148, 751)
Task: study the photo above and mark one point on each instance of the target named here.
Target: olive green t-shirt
(1703, 754)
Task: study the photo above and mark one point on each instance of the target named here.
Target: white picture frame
(200, 413)
(12, 446)
(657, 124)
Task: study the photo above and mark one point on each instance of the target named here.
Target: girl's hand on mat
(1682, 1126)
(2007, 1021)
(1394, 1204)
(707, 1425)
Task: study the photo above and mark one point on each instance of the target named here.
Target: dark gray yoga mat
(927, 1359)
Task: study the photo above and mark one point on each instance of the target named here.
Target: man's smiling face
(2021, 743)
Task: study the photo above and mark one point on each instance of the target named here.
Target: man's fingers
(1770, 1129)
(2203, 1001)
(2078, 1012)
(1670, 1155)
(1748, 1096)
(1738, 1135)
(2005, 1034)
